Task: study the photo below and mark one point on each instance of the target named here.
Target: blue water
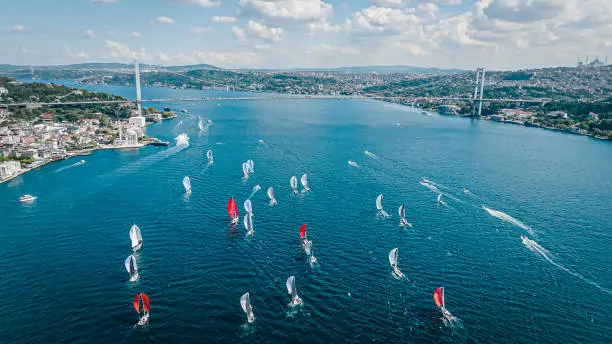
(63, 279)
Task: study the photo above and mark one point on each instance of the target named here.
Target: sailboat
(187, 184)
(248, 224)
(232, 210)
(209, 155)
(245, 302)
(303, 234)
(245, 170)
(402, 214)
(200, 123)
(135, 237)
(440, 201)
(393, 256)
(141, 303)
(379, 206)
(132, 269)
(248, 207)
(271, 196)
(295, 299)
(304, 181)
(293, 182)
(250, 165)
(308, 249)
(438, 297)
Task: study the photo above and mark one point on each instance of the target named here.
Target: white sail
(291, 286)
(248, 222)
(393, 257)
(304, 181)
(308, 247)
(200, 123)
(402, 211)
(250, 165)
(245, 302)
(187, 184)
(379, 200)
(247, 206)
(245, 169)
(182, 140)
(135, 236)
(130, 265)
(256, 188)
(209, 155)
(271, 193)
(293, 182)
(439, 198)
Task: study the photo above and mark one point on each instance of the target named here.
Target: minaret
(138, 98)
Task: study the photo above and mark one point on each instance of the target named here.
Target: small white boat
(187, 184)
(200, 123)
(271, 196)
(439, 300)
(245, 302)
(308, 248)
(248, 207)
(393, 256)
(245, 170)
(402, 214)
(379, 206)
(209, 155)
(135, 237)
(293, 183)
(185, 110)
(250, 165)
(304, 181)
(142, 306)
(248, 224)
(27, 198)
(295, 299)
(132, 268)
(82, 161)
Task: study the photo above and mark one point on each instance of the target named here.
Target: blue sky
(500, 34)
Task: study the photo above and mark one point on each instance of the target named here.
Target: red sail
(303, 231)
(232, 209)
(439, 297)
(146, 305)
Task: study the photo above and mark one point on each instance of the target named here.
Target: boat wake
(69, 166)
(371, 155)
(544, 253)
(431, 187)
(255, 189)
(507, 218)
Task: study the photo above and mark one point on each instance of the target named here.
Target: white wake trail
(430, 186)
(537, 248)
(371, 155)
(69, 166)
(507, 218)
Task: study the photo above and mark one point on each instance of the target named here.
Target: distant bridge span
(271, 97)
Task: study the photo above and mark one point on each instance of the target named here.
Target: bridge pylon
(478, 91)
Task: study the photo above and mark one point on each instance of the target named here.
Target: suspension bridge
(256, 95)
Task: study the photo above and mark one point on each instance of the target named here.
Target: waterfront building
(9, 168)
(131, 137)
(137, 121)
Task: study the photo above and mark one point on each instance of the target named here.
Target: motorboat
(27, 198)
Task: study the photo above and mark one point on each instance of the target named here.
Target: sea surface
(62, 258)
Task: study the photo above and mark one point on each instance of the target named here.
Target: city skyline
(496, 34)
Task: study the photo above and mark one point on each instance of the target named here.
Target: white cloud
(163, 57)
(293, 10)
(164, 20)
(89, 34)
(222, 19)
(383, 20)
(104, 1)
(200, 30)
(229, 59)
(390, 3)
(524, 10)
(260, 30)
(428, 7)
(239, 33)
(447, 2)
(135, 35)
(201, 3)
(15, 29)
(122, 51)
(80, 55)
(323, 48)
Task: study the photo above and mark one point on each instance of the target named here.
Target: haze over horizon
(282, 34)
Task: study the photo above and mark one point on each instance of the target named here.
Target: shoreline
(84, 152)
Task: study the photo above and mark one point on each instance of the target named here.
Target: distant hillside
(7, 68)
(368, 69)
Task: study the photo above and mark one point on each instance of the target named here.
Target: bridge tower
(478, 91)
(138, 97)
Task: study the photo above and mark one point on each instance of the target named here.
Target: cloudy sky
(498, 34)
